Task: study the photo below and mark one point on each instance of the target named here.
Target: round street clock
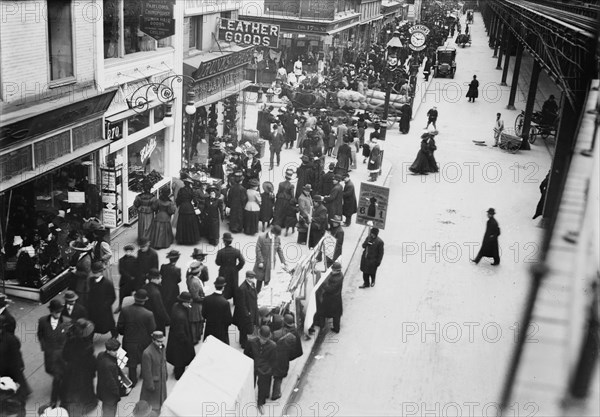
(418, 37)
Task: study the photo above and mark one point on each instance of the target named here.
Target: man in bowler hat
(230, 261)
(245, 315)
(217, 313)
(72, 308)
(489, 246)
(180, 347)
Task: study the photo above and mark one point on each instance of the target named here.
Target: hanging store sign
(418, 37)
(147, 150)
(249, 33)
(157, 20)
(223, 63)
(113, 130)
(220, 82)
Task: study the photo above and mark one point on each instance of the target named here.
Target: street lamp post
(392, 62)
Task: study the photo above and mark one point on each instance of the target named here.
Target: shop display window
(146, 159)
(159, 113)
(43, 216)
(138, 122)
(60, 38)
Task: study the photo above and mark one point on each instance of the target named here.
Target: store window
(195, 38)
(60, 39)
(146, 158)
(122, 33)
(159, 113)
(138, 122)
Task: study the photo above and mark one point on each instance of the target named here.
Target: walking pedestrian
(252, 208)
(405, 116)
(72, 308)
(108, 385)
(52, 335)
(155, 302)
(349, 204)
(275, 143)
(217, 313)
(489, 246)
(80, 268)
(288, 348)
(267, 245)
(128, 275)
(180, 346)
(154, 372)
(230, 261)
(245, 315)
(236, 200)
(102, 297)
(147, 259)
(344, 157)
(77, 390)
(262, 351)
(171, 277)
(267, 205)
(539, 210)
(143, 203)
(195, 287)
(371, 257)
(161, 231)
(432, 116)
(422, 163)
(334, 201)
(285, 192)
(498, 129)
(318, 223)
(332, 296)
(473, 91)
(136, 323)
(188, 226)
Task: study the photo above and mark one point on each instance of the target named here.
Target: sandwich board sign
(373, 203)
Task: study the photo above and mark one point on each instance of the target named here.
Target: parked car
(445, 64)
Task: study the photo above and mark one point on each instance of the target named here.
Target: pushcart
(509, 141)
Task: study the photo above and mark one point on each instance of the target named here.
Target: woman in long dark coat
(188, 226)
(405, 118)
(77, 391)
(213, 216)
(489, 246)
(267, 205)
(432, 148)
(143, 204)
(473, 92)
(236, 201)
(421, 165)
(171, 277)
(284, 194)
(349, 204)
(180, 346)
(161, 232)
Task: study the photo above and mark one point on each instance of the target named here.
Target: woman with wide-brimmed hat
(252, 208)
(81, 266)
(267, 204)
(213, 210)
(188, 225)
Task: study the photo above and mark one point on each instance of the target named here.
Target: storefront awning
(372, 20)
(52, 165)
(233, 89)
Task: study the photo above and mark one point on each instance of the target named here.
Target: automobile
(445, 63)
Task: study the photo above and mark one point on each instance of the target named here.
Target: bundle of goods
(353, 99)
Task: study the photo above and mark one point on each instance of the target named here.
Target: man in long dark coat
(128, 275)
(245, 315)
(154, 373)
(489, 247)
(285, 193)
(147, 259)
(155, 302)
(52, 335)
(319, 222)
(332, 296)
(268, 247)
(349, 204)
(334, 201)
(230, 261)
(101, 298)
(72, 308)
(371, 257)
(236, 200)
(136, 324)
(180, 347)
(262, 350)
(405, 117)
(326, 183)
(217, 313)
(305, 174)
(108, 386)
(289, 347)
(171, 277)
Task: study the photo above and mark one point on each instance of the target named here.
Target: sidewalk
(27, 313)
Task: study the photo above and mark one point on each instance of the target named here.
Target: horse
(303, 99)
(463, 40)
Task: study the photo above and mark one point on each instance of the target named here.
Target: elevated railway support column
(502, 46)
(493, 26)
(509, 47)
(515, 78)
(498, 36)
(533, 85)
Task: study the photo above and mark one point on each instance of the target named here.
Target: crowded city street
(355, 208)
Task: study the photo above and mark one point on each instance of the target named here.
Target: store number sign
(114, 130)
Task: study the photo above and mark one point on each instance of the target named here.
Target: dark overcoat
(154, 375)
(349, 204)
(245, 315)
(52, 343)
(334, 201)
(169, 287)
(77, 389)
(473, 91)
(285, 341)
(156, 306)
(251, 172)
(107, 387)
(180, 346)
(230, 261)
(146, 261)
(236, 200)
(79, 312)
(305, 174)
(265, 244)
(372, 255)
(318, 226)
(326, 183)
(489, 246)
(136, 324)
(102, 297)
(332, 295)
(129, 280)
(217, 314)
(285, 193)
